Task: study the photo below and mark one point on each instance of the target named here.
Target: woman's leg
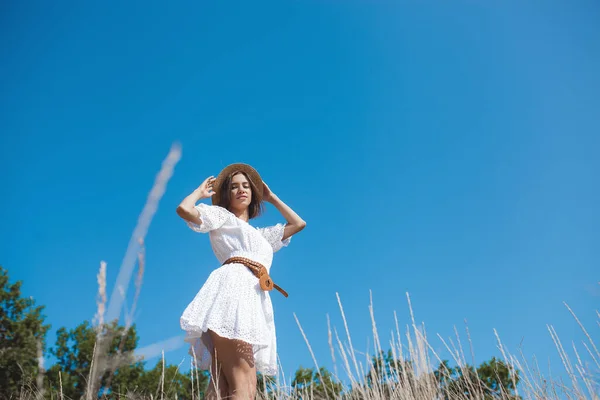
(236, 360)
(217, 385)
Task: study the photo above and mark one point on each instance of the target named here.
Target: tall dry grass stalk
(61, 397)
(101, 297)
(91, 387)
(162, 378)
(141, 258)
(117, 298)
(309, 348)
(121, 357)
(192, 376)
(41, 371)
(125, 271)
(195, 370)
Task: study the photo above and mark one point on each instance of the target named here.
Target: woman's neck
(241, 214)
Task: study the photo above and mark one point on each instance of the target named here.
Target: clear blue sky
(448, 149)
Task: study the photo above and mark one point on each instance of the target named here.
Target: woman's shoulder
(214, 209)
(213, 217)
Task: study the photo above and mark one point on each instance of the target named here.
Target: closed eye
(245, 186)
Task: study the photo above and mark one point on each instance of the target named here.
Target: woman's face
(241, 192)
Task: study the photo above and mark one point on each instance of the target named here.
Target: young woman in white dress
(229, 324)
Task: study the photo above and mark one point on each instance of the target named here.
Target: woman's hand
(187, 208)
(294, 223)
(206, 190)
(268, 196)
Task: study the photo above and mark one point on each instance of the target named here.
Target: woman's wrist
(273, 198)
(198, 194)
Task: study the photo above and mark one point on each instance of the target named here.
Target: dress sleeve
(213, 217)
(274, 234)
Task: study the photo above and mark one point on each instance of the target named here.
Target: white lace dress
(231, 302)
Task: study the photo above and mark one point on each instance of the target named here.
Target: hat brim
(250, 172)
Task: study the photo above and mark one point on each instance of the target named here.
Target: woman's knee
(244, 382)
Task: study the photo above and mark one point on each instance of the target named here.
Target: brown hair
(254, 209)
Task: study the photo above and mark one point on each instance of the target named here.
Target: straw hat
(250, 172)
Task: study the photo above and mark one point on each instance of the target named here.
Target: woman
(230, 324)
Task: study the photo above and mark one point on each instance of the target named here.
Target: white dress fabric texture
(231, 302)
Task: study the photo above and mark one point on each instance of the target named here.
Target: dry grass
(416, 382)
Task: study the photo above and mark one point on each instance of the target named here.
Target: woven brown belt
(259, 270)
